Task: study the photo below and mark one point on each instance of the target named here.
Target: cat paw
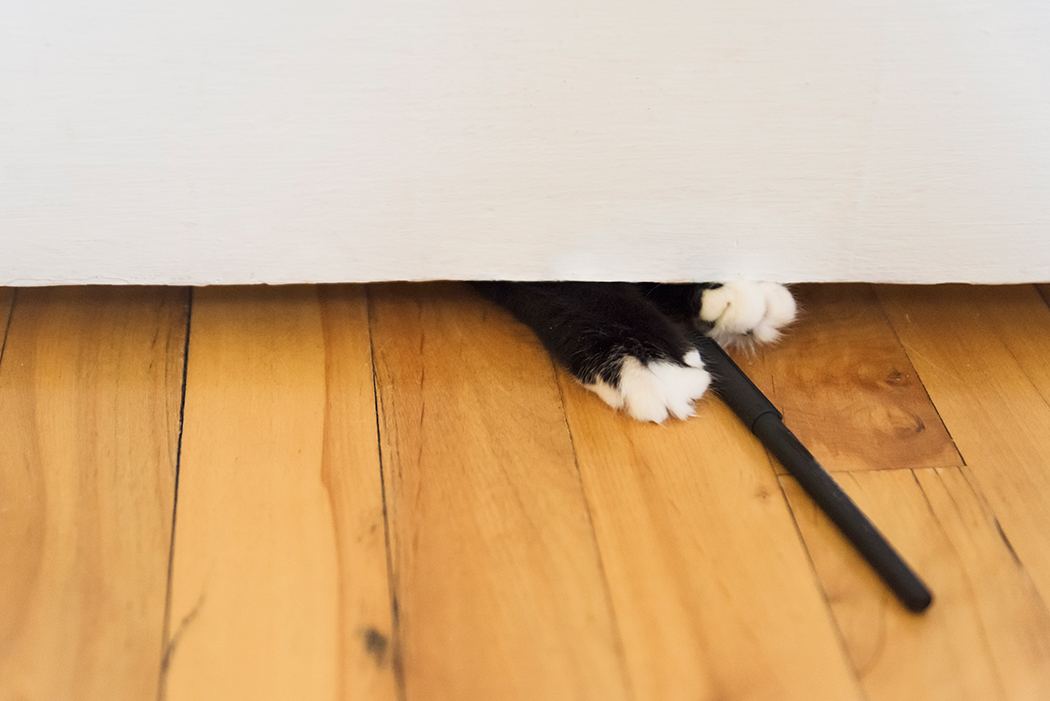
(746, 310)
(654, 391)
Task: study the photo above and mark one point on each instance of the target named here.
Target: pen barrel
(845, 514)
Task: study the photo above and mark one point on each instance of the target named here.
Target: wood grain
(1014, 620)
(982, 355)
(847, 388)
(711, 585)
(987, 635)
(498, 582)
(90, 388)
(279, 574)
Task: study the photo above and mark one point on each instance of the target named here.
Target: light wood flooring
(389, 492)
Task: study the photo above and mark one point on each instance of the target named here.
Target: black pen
(762, 418)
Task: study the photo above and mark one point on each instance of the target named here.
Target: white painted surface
(206, 141)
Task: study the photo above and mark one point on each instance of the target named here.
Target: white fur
(653, 392)
(743, 308)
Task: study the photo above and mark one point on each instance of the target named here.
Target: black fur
(590, 327)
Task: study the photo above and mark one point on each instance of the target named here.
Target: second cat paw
(744, 309)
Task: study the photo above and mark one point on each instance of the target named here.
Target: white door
(231, 141)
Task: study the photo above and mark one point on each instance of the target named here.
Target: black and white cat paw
(654, 390)
(745, 310)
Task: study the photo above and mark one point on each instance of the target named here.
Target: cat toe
(744, 309)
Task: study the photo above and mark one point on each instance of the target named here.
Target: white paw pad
(655, 391)
(743, 308)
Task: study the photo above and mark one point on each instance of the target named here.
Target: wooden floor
(389, 492)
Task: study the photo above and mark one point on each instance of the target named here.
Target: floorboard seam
(395, 620)
(7, 324)
(167, 646)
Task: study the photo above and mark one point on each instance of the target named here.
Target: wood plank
(279, 573)
(352, 476)
(847, 388)
(1026, 338)
(987, 635)
(711, 585)
(498, 581)
(90, 388)
(982, 355)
